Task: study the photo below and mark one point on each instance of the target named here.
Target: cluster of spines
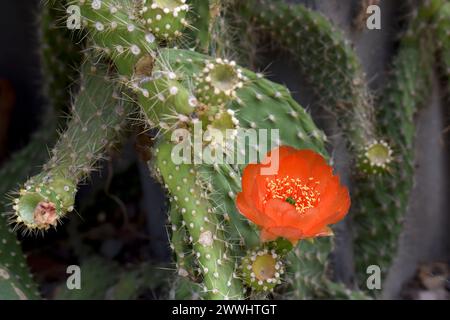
(330, 65)
(166, 101)
(217, 83)
(376, 158)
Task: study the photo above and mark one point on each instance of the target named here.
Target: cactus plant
(172, 90)
(257, 97)
(143, 60)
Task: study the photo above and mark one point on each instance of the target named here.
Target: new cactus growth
(375, 158)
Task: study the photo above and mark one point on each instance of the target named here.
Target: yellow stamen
(295, 191)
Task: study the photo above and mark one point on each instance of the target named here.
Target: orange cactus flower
(299, 201)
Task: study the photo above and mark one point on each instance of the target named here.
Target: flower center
(302, 195)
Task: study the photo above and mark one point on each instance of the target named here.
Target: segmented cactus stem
(379, 205)
(210, 247)
(98, 115)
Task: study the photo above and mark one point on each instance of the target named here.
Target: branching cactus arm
(98, 115)
(57, 75)
(380, 204)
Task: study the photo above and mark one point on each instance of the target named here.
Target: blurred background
(121, 212)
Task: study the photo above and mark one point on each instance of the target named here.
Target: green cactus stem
(254, 108)
(205, 233)
(97, 118)
(115, 31)
(25, 162)
(379, 205)
(332, 68)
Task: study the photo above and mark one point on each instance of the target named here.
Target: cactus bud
(376, 158)
(262, 270)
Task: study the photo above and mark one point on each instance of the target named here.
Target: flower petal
(266, 236)
(282, 213)
(246, 209)
(292, 234)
